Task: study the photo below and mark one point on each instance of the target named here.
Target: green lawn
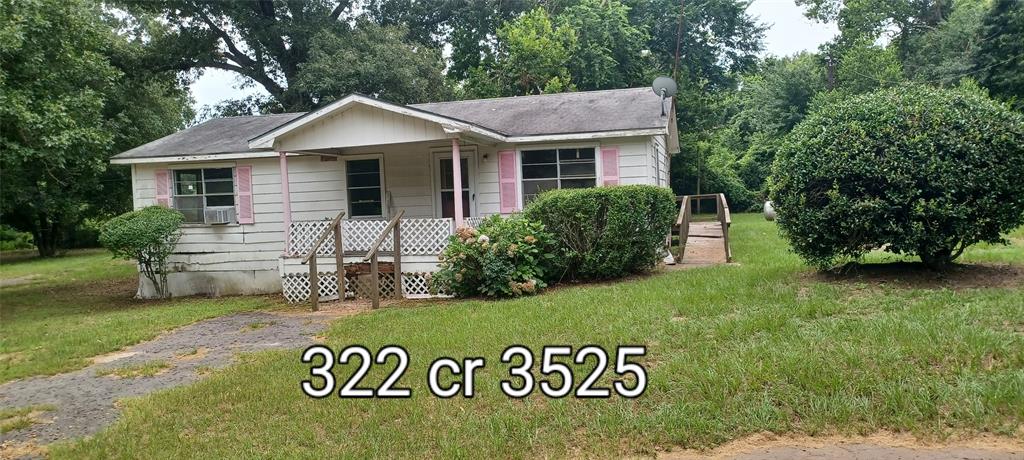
(732, 350)
(56, 313)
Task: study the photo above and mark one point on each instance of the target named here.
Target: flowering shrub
(502, 258)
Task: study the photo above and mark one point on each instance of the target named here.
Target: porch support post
(457, 181)
(286, 204)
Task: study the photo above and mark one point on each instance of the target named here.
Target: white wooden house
(256, 191)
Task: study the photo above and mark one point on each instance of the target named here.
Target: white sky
(789, 32)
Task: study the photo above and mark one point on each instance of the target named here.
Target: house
(256, 191)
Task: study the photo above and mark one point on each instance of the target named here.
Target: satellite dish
(664, 87)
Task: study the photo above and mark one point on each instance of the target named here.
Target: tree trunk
(936, 258)
(46, 237)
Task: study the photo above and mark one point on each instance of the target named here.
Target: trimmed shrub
(606, 232)
(148, 236)
(502, 258)
(912, 170)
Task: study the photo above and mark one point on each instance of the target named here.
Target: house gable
(358, 120)
(359, 125)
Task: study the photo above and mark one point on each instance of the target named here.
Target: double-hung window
(364, 188)
(557, 168)
(198, 189)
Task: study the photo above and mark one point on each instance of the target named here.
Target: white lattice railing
(419, 236)
(295, 286)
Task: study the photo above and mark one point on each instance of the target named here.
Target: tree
(374, 60)
(910, 169)
(867, 20)
(945, 54)
(610, 50)
(719, 39)
(530, 58)
(999, 61)
(469, 27)
(865, 67)
(263, 40)
(53, 76)
(71, 94)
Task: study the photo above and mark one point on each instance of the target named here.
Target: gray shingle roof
(219, 135)
(581, 112)
(564, 113)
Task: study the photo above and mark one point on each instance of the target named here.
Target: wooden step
(363, 268)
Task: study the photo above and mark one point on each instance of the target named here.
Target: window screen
(364, 188)
(197, 189)
(557, 168)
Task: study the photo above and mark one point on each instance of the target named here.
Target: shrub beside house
(562, 235)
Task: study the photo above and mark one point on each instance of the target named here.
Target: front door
(447, 188)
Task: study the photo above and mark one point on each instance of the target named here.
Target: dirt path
(878, 446)
(82, 402)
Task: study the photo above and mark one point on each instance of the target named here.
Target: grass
(732, 350)
(147, 369)
(57, 313)
(21, 417)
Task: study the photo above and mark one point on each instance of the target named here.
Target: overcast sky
(789, 32)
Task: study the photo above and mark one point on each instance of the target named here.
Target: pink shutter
(610, 165)
(163, 187)
(507, 186)
(244, 194)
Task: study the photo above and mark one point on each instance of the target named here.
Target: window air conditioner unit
(219, 215)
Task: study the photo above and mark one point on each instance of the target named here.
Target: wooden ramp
(703, 242)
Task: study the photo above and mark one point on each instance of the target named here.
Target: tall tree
(999, 61)
(866, 67)
(469, 27)
(719, 39)
(65, 105)
(530, 58)
(610, 50)
(867, 20)
(945, 54)
(375, 60)
(265, 41)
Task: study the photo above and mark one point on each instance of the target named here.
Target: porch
(423, 240)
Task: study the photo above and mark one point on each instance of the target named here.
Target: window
(364, 188)
(197, 189)
(557, 168)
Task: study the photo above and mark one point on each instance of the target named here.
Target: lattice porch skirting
(295, 286)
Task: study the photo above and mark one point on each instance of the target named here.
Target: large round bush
(912, 170)
(606, 232)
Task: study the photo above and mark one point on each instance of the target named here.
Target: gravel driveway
(83, 401)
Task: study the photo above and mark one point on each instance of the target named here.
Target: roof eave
(195, 157)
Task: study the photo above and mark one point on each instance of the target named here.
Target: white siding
(247, 254)
(660, 161)
(361, 125)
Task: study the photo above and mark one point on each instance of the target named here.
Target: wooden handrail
(723, 216)
(314, 275)
(323, 237)
(375, 247)
(371, 256)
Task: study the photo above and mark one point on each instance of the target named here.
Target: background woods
(81, 80)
